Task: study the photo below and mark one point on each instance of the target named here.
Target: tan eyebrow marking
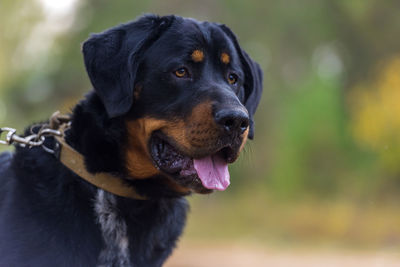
(197, 55)
(225, 58)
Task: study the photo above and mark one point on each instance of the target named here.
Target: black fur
(112, 59)
(47, 213)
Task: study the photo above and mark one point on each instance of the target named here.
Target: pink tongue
(213, 172)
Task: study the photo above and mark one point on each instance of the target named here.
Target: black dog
(172, 105)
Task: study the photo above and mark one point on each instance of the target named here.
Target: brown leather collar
(74, 161)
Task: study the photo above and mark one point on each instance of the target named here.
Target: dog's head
(187, 93)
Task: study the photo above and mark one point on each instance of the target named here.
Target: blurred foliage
(326, 154)
(375, 112)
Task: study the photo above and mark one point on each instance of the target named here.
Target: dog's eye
(181, 73)
(232, 78)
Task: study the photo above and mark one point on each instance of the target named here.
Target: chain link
(36, 139)
(32, 140)
(10, 132)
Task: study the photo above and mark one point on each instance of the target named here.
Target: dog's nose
(232, 120)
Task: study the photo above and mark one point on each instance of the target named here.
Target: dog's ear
(112, 59)
(253, 87)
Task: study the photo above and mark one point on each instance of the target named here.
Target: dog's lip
(158, 148)
(225, 150)
(170, 160)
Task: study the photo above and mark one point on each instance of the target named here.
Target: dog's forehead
(188, 37)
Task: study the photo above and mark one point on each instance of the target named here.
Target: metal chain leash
(37, 139)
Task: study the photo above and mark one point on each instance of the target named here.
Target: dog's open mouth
(211, 170)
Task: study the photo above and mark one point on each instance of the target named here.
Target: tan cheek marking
(202, 130)
(225, 58)
(138, 159)
(201, 113)
(198, 56)
(139, 163)
(137, 156)
(199, 130)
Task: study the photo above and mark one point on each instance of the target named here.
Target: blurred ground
(225, 255)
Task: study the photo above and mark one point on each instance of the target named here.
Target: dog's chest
(140, 239)
(114, 230)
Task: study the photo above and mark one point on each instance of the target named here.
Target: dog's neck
(98, 138)
(101, 141)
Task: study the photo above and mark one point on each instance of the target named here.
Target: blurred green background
(324, 168)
